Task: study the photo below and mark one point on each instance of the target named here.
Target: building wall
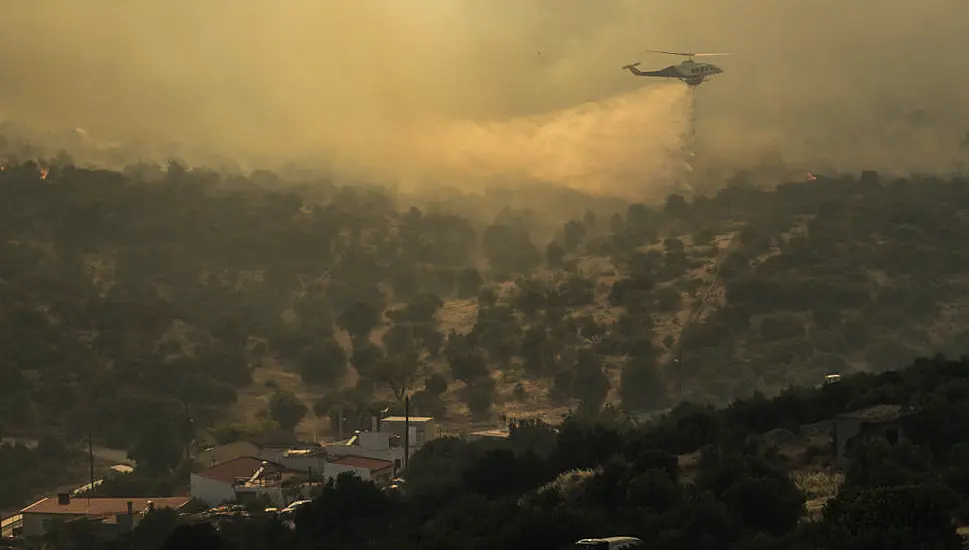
(844, 429)
(270, 454)
(210, 491)
(383, 477)
(11, 524)
(852, 430)
(332, 470)
(420, 432)
(314, 464)
(390, 453)
(35, 525)
(275, 494)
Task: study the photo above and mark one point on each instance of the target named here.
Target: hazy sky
(477, 89)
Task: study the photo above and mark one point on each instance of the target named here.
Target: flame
(810, 176)
(43, 173)
(3, 167)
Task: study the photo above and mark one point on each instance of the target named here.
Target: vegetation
(696, 477)
(151, 306)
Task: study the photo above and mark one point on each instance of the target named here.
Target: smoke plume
(471, 91)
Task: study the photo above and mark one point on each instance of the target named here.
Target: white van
(609, 543)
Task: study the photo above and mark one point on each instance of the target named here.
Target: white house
(378, 445)
(239, 479)
(381, 472)
(310, 461)
(421, 429)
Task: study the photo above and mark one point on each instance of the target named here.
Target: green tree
(641, 386)
(359, 319)
(468, 366)
(323, 363)
(468, 282)
(481, 397)
(510, 249)
(436, 384)
(573, 235)
(903, 517)
(555, 254)
(589, 384)
(158, 447)
(287, 409)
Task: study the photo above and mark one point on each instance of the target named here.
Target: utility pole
(679, 376)
(406, 431)
(90, 456)
(189, 432)
(402, 395)
(339, 422)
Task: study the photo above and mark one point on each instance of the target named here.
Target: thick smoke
(471, 90)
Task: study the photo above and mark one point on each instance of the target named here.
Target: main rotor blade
(670, 53)
(686, 54)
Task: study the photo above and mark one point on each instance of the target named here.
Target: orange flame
(43, 173)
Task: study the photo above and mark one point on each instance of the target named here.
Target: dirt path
(102, 454)
(700, 305)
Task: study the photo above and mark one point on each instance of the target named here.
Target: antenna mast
(90, 456)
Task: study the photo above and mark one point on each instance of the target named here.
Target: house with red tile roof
(240, 479)
(39, 516)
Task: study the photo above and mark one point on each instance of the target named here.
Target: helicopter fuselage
(694, 73)
(689, 71)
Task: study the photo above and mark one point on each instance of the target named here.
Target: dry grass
(819, 486)
(460, 316)
(253, 402)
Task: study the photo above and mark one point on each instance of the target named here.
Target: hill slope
(131, 303)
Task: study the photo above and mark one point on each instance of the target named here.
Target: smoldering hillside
(472, 91)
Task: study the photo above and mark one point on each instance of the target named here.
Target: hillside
(755, 475)
(152, 307)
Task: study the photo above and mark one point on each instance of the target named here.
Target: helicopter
(689, 71)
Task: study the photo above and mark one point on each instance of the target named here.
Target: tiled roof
(227, 452)
(372, 464)
(99, 507)
(242, 467)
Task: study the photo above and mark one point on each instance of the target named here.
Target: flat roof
(491, 433)
(875, 413)
(413, 419)
(610, 539)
